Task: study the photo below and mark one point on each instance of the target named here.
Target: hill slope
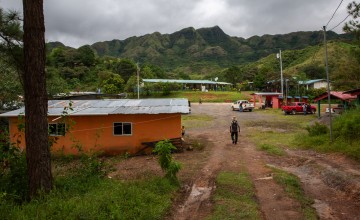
(201, 49)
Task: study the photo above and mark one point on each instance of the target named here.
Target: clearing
(330, 181)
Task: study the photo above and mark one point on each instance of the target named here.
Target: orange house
(108, 126)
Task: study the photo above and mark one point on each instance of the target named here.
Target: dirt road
(332, 181)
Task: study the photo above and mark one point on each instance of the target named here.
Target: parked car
(296, 107)
(336, 110)
(247, 106)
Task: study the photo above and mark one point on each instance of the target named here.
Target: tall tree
(36, 106)
(353, 26)
(11, 67)
(233, 75)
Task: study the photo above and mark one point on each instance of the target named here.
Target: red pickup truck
(295, 107)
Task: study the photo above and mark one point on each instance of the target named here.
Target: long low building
(192, 84)
(108, 126)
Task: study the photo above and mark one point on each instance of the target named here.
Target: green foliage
(113, 85)
(347, 126)
(345, 136)
(13, 171)
(125, 68)
(167, 164)
(271, 149)
(131, 85)
(353, 26)
(317, 129)
(235, 197)
(86, 55)
(11, 35)
(292, 186)
(81, 196)
(233, 75)
(10, 87)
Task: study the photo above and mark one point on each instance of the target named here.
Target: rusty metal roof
(112, 107)
(336, 95)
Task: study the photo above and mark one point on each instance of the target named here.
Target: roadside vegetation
(83, 189)
(234, 197)
(292, 187)
(346, 135)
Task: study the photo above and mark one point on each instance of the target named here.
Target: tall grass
(235, 197)
(81, 193)
(346, 136)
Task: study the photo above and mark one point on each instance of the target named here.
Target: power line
(339, 23)
(334, 13)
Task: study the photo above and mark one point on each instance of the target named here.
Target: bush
(163, 149)
(347, 126)
(317, 129)
(13, 171)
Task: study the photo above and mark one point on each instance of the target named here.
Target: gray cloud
(79, 22)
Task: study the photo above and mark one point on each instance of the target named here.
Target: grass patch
(195, 121)
(211, 96)
(279, 130)
(234, 197)
(346, 136)
(280, 125)
(84, 196)
(271, 149)
(292, 186)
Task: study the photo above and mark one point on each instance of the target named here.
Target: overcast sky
(80, 22)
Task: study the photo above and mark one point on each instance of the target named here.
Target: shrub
(13, 171)
(347, 126)
(317, 129)
(167, 164)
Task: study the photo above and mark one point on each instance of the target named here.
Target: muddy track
(332, 181)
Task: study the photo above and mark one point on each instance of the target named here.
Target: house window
(122, 128)
(57, 129)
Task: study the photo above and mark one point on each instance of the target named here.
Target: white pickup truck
(247, 106)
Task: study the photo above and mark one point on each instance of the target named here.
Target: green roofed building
(202, 85)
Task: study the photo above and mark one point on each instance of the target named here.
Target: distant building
(314, 84)
(108, 126)
(201, 85)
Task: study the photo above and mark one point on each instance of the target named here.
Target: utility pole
(328, 82)
(281, 74)
(138, 81)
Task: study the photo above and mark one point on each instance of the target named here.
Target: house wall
(96, 132)
(318, 85)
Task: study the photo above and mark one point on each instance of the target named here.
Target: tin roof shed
(112, 107)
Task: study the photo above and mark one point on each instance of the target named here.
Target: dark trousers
(234, 137)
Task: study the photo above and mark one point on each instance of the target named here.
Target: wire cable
(339, 23)
(334, 13)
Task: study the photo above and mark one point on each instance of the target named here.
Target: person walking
(234, 130)
(241, 107)
(304, 108)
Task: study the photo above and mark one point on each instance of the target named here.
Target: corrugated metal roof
(186, 81)
(110, 107)
(335, 94)
(308, 82)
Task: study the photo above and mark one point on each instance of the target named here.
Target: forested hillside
(194, 54)
(205, 49)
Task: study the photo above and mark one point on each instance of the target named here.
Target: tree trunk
(36, 106)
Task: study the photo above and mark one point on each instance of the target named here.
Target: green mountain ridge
(207, 53)
(198, 50)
